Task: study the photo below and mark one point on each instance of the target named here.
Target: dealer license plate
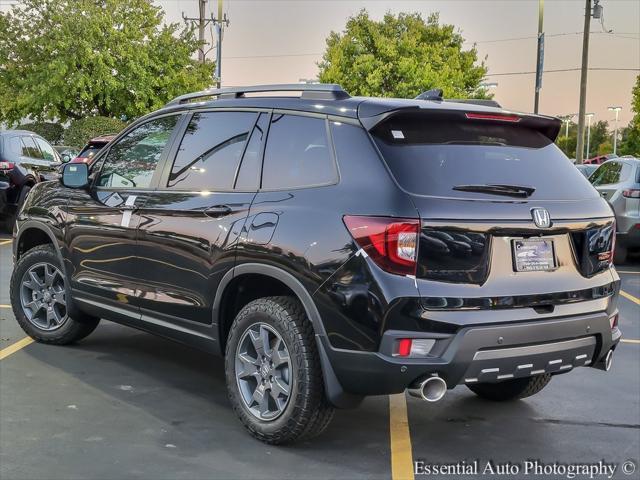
(533, 255)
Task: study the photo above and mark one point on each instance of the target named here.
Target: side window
(608, 174)
(210, 150)
(132, 161)
(29, 148)
(15, 147)
(297, 153)
(46, 149)
(249, 173)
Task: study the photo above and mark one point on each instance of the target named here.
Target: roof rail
(311, 91)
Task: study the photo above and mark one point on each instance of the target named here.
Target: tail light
(413, 347)
(631, 193)
(7, 165)
(500, 117)
(392, 243)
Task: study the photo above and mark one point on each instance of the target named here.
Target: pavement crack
(556, 421)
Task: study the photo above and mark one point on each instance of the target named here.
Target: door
(102, 221)
(190, 225)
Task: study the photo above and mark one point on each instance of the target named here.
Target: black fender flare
(333, 389)
(30, 224)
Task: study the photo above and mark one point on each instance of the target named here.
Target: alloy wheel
(263, 371)
(42, 296)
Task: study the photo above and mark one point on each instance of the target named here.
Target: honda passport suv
(330, 247)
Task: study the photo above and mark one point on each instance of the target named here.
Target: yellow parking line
(13, 348)
(628, 296)
(2, 305)
(628, 271)
(401, 454)
(5, 242)
(630, 340)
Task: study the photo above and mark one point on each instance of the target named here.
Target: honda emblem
(541, 217)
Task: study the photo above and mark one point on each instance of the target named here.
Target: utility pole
(221, 21)
(201, 22)
(615, 131)
(540, 57)
(588, 13)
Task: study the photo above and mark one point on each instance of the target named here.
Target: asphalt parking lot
(126, 404)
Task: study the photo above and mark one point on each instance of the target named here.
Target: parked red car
(92, 148)
(600, 159)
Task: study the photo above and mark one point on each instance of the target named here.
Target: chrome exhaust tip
(608, 360)
(430, 389)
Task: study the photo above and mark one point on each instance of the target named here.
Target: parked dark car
(25, 159)
(618, 182)
(91, 149)
(587, 169)
(66, 153)
(330, 248)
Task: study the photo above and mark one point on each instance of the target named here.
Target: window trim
(172, 154)
(332, 152)
(104, 153)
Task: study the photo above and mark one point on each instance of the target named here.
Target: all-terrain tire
(511, 389)
(76, 326)
(308, 412)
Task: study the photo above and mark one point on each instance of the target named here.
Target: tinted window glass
(29, 148)
(46, 149)
(297, 153)
(611, 172)
(249, 173)
(132, 161)
(14, 146)
(431, 156)
(210, 151)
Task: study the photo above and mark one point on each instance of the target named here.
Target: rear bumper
(476, 354)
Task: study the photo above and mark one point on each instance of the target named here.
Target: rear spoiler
(547, 126)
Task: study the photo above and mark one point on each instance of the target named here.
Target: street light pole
(615, 134)
(589, 117)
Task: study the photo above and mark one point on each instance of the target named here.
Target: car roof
(20, 132)
(329, 99)
(103, 138)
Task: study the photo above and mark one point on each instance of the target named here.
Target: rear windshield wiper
(508, 190)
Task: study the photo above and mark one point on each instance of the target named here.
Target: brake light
(631, 193)
(493, 116)
(392, 243)
(7, 165)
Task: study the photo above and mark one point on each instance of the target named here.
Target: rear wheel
(273, 373)
(511, 389)
(39, 298)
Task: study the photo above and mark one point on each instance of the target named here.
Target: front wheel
(39, 298)
(511, 389)
(273, 372)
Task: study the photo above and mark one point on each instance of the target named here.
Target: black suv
(330, 248)
(25, 159)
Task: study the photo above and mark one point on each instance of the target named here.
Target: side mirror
(75, 175)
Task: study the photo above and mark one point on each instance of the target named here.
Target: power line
(557, 70)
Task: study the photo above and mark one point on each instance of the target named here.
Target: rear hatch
(480, 182)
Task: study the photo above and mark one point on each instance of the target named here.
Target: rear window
(91, 150)
(431, 155)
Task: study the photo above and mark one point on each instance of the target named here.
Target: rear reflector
(631, 193)
(493, 116)
(613, 321)
(392, 243)
(7, 165)
(404, 347)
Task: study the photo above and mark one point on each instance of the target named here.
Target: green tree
(630, 144)
(401, 56)
(599, 134)
(66, 59)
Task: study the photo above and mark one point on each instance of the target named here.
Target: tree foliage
(52, 132)
(630, 144)
(81, 131)
(401, 56)
(66, 59)
(600, 139)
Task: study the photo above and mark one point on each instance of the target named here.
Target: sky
(282, 41)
